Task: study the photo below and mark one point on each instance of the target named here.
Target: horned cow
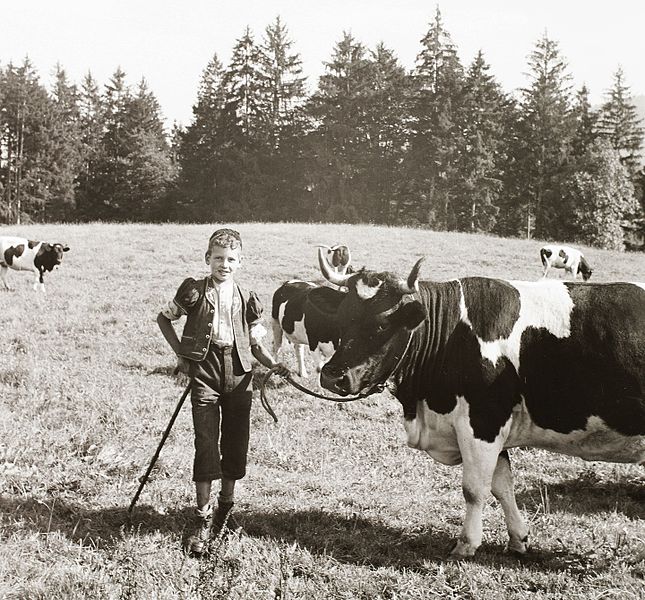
(481, 365)
(301, 312)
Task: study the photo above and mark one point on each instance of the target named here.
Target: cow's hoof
(518, 546)
(462, 550)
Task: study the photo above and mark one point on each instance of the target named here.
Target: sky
(171, 42)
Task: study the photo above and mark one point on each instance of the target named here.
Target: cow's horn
(329, 274)
(412, 284)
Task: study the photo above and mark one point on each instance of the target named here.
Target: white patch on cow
(596, 441)
(309, 283)
(365, 292)
(322, 352)
(543, 304)
(434, 433)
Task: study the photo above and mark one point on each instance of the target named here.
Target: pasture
(334, 504)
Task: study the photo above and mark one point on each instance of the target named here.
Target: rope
(302, 388)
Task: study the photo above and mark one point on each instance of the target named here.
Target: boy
(221, 333)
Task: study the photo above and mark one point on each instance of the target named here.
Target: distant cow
(563, 257)
(304, 323)
(21, 254)
(481, 365)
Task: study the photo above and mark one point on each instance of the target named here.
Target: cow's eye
(381, 327)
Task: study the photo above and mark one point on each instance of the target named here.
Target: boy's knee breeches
(221, 406)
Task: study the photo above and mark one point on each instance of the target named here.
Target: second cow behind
(299, 313)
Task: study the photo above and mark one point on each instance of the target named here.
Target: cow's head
(376, 319)
(51, 255)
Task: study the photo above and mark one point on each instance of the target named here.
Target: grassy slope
(334, 505)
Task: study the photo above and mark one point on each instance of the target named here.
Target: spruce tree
(91, 123)
(547, 129)
(25, 129)
(200, 148)
(64, 149)
(281, 162)
(483, 149)
(339, 141)
(437, 118)
(619, 124)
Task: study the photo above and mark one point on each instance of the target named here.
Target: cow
(482, 365)
(21, 254)
(563, 257)
(295, 317)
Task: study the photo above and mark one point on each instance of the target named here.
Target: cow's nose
(334, 378)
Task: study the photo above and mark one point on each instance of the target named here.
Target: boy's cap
(225, 233)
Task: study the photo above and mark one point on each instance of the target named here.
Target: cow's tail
(544, 254)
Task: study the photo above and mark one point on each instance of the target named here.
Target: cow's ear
(65, 248)
(410, 315)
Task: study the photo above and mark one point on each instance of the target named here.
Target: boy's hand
(281, 369)
(183, 365)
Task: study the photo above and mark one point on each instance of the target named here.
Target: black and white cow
(21, 254)
(481, 365)
(306, 324)
(564, 257)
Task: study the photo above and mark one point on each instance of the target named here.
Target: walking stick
(161, 443)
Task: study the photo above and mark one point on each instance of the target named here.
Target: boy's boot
(198, 542)
(224, 517)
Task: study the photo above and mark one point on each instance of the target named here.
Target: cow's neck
(423, 373)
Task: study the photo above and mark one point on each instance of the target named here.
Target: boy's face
(223, 262)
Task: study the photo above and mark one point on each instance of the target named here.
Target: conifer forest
(440, 145)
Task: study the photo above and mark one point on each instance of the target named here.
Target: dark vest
(196, 337)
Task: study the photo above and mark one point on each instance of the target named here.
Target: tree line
(440, 146)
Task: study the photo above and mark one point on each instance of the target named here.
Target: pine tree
(200, 147)
(386, 134)
(25, 127)
(585, 123)
(91, 124)
(484, 148)
(338, 143)
(547, 129)
(243, 131)
(150, 170)
(281, 162)
(437, 118)
(64, 149)
(620, 125)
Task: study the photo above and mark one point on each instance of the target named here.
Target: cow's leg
(277, 337)
(479, 462)
(39, 283)
(546, 270)
(502, 487)
(300, 357)
(3, 275)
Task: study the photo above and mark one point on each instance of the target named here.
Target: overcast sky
(170, 42)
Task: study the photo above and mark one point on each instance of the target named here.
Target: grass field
(334, 505)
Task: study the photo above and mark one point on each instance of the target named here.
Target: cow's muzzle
(335, 379)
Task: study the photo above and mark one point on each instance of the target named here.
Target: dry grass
(334, 505)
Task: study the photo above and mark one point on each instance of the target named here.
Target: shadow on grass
(350, 540)
(587, 494)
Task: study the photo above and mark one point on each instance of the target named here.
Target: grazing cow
(481, 365)
(563, 257)
(22, 254)
(304, 323)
